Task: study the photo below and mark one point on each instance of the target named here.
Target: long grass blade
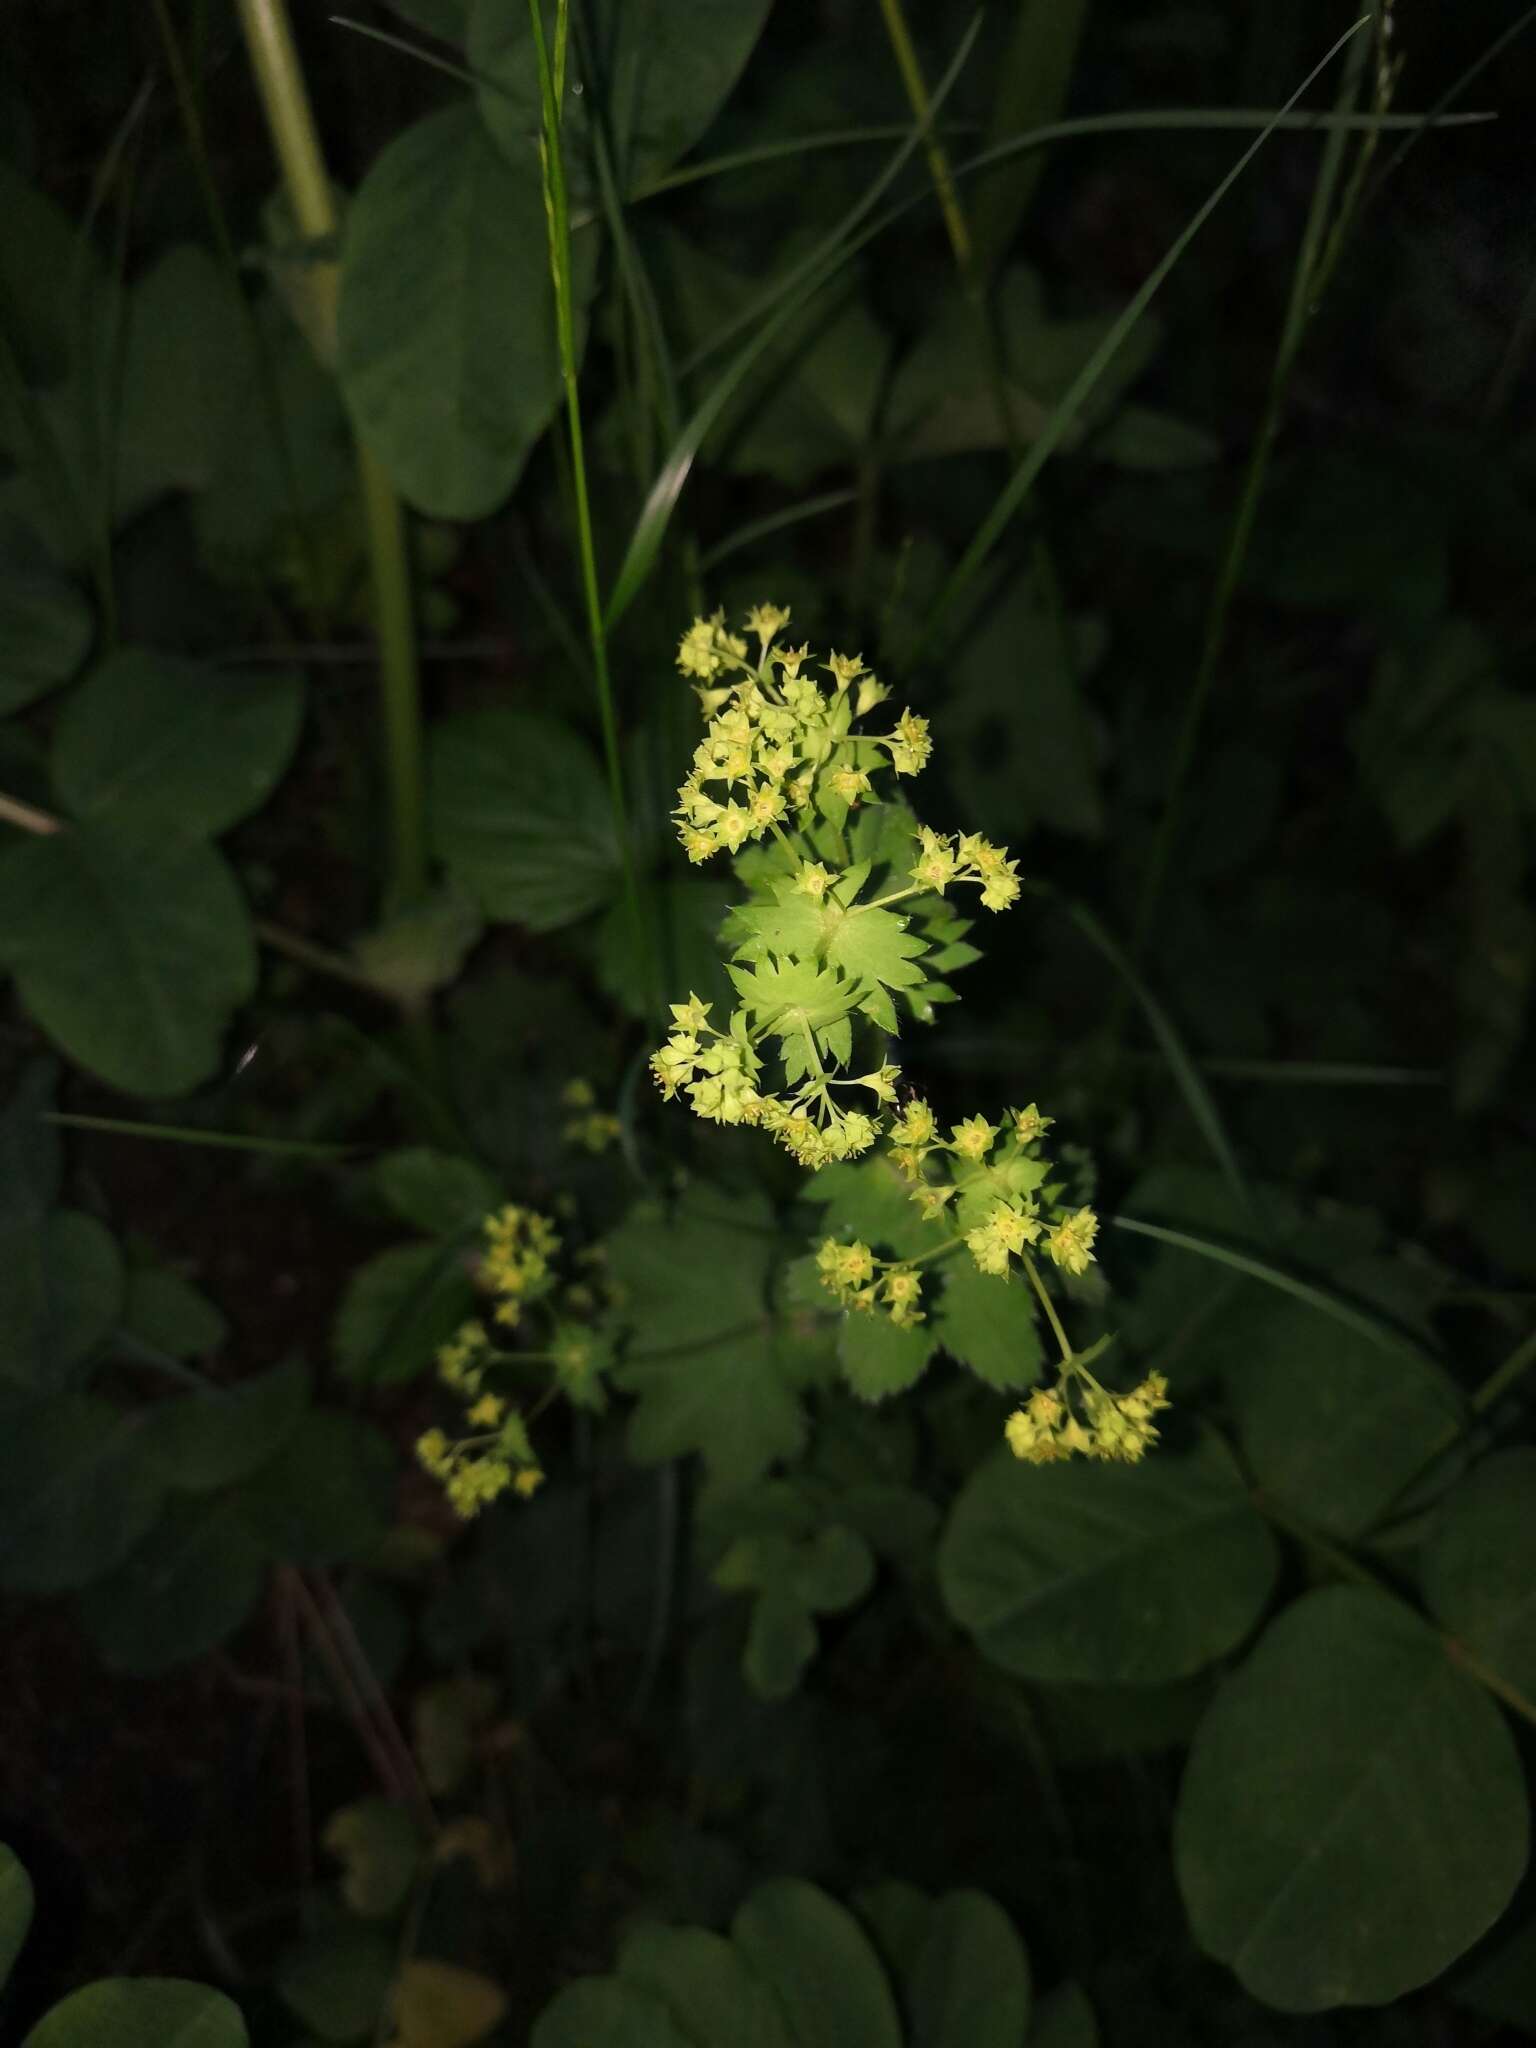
(1071, 404)
(1338, 1307)
(775, 522)
(769, 317)
(1190, 1081)
(189, 1134)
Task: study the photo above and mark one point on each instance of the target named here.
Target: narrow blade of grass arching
(189, 1134)
(406, 48)
(557, 210)
(775, 522)
(1305, 287)
(1191, 1083)
(1081, 388)
(1453, 93)
(1351, 1315)
(768, 317)
(291, 122)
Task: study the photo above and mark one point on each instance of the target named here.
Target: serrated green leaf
(1353, 1816)
(398, 1309)
(703, 1362)
(790, 996)
(131, 948)
(446, 335)
(154, 742)
(520, 815)
(880, 1358)
(435, 1191)
(989, 1325)
(184, 1590)
(875, 946)
(869, 1199)
(1113, 1574)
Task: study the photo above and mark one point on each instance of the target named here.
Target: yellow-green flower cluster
(944, 858)
(775, 737)
(492, 1453)
(591, 1128)
(861, 1281)
(477, 1469)
(999, 1193)
(1079, 1418)
(813, 955)
(519, 1244)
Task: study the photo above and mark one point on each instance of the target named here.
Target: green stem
(1503, 1377)
(1299, 311)
(557, 211)
(933, 147)
(1049, 1306)
(275, 63)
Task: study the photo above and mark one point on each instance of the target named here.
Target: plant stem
(933, 148)
(274, 60)
(1298, 313)
(1049, 1306)
(557, 210)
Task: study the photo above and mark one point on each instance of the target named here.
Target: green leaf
(781, 1641)
(447, 352)
(970, 1980)
(76, 1492)
(1330, 1422)
(168, 1312)
(15, 1911)
(704, 1363)
(706, 1986)
(48, 278)
(185, 354)
(45, 634)
(875, 946)
(786, 996)
(202, 1441)
(397, 1310)
(1353, 1816)
(818, 1962)
(181, 1593)
(833, 1571)
(141, 2012)
(1111, 1574)
(989, 1325)
(605, 2012)
(666, 69)
(170, 746)
(869, 1199)
(326, 1499)
(879, 1358)
(520, 816)
(337, 1981)
(379, 1848)
(1480, 1566)
(61, 1288)
(1064, 2019)
(435, 1191)
(130, 948)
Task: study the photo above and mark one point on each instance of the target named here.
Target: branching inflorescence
(787, 783)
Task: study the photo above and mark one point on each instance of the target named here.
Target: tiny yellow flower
(528, 1482)
(973, 1138)
(813, 880)
(487, 1412)
(1070, 1244)
(691, 1017)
